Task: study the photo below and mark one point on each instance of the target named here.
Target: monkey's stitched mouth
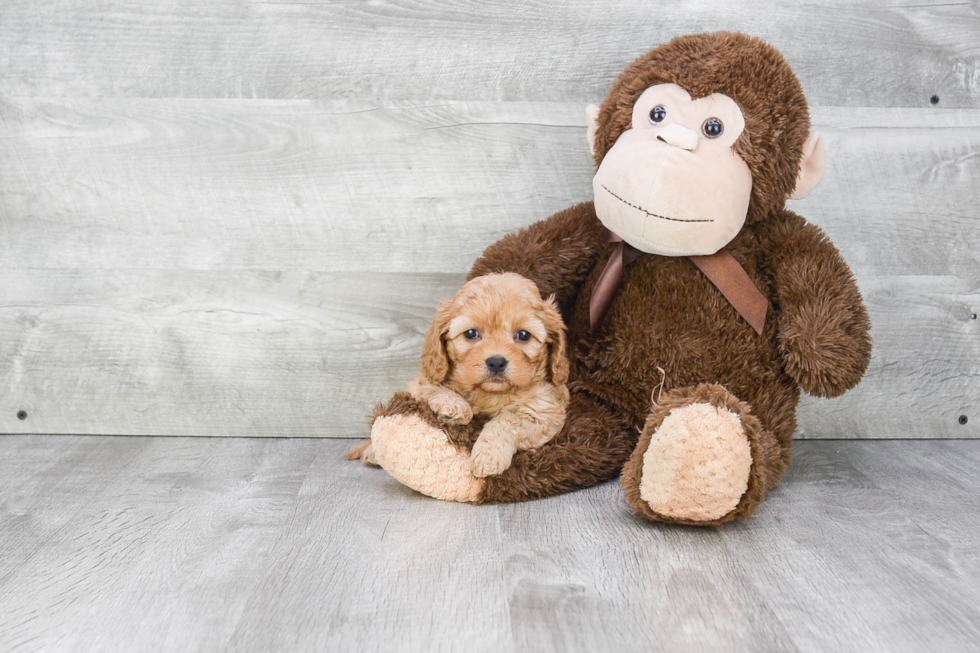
(652, 215)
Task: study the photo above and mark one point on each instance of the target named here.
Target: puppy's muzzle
(496, 364)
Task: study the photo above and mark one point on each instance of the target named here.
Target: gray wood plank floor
(259, 544)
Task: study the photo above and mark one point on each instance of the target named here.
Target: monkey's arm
(557, 253)
(824, 330)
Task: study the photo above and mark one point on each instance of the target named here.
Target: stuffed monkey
(697, 306)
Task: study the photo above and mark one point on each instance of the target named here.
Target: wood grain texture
(254, 544)
(854, 53)
(268, 268)
(188, 184)
(309, 353)
(236, 218)
(332, 186)
(209, 353)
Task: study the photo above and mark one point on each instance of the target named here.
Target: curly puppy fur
(496, 351)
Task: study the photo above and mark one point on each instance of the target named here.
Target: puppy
(496, 350)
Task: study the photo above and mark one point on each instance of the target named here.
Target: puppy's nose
(496, 364)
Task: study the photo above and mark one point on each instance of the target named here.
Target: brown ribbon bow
(721, 268)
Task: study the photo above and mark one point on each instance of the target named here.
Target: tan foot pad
(420, 456)
(697, 465)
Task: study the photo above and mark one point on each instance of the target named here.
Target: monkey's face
(672, 184)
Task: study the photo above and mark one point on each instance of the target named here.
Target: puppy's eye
(472, 334)
(523, 335)
(657, 114)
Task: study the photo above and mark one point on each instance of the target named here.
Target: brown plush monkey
(697, 305)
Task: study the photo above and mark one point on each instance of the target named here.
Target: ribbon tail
(734, 283)
(606, 287)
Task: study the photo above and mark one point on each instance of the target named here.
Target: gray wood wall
(235, 218)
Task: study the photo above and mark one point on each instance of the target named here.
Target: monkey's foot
(421, 456)
(702, 459)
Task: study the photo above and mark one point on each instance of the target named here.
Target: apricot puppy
(497, 350)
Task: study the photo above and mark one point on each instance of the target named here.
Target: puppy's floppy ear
(557, 360)
(435, 358)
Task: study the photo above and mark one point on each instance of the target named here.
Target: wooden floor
(255, 544)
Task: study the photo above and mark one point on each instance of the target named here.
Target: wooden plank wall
(235, 218)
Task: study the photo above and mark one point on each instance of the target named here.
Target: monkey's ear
(811, 166)
(592, 115)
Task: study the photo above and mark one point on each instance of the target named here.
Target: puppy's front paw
(451, 408)
(489, 460)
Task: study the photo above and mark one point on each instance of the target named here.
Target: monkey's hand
(557, 254)
(825, 349)
(824, 330)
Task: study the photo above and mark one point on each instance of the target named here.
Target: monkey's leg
(433, 459)
(591, 448)
(429, 456)
(703, 459)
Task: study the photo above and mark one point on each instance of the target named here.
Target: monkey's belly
(669, 327)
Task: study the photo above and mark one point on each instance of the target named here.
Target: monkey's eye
(523, 335)
(471, 334)
(657, 114)
(712, 128)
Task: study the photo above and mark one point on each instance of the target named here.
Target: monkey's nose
(496, 364)
(682, 137)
